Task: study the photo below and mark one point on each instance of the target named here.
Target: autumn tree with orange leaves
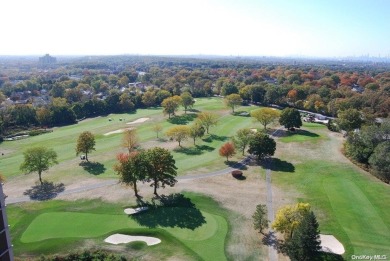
(227, 150)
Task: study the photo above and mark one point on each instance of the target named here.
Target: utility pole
(6, 253)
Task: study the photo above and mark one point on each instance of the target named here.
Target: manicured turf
(201, 228)
(349, 204)
(300, 136)
(63, 141)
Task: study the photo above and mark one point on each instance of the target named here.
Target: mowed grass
(203, 157)
(349, 204)
(57, 226)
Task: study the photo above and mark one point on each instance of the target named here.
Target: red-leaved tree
(227, 150)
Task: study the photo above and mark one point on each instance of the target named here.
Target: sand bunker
(124, 239)
(131, 211)
(254, 130)
(116, 131)
(330, 244)
(140, 120)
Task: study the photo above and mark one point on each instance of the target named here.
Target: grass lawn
(203, 157)
(194, 222)
(348, 203)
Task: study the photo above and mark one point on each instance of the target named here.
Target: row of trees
(371, 147)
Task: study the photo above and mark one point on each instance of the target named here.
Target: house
(357, 88)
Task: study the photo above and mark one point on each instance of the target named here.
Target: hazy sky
(323, 28)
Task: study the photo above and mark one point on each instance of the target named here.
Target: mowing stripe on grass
(363, 225)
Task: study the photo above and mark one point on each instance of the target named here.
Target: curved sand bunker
(124, 239)
(140, 120)
(131, 211)
(330, 244)
(117, 131)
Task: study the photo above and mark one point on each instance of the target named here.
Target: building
(6, 253)
(47, 60)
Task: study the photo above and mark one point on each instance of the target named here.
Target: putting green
(207, 240)
(87, 225)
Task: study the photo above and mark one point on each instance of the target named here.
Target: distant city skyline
(321, 28)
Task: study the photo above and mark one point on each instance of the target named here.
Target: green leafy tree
(187, 101)
(132, 168)
(179, 133)
(161, 168)
(262, 146)
(38, 159)
(349, 119)
(305, 244)
(380, 161)
(207, 119)
(85, 144)
(260, 221)
(196, 131)
(290, 118)
(171, 105)
(149, 99)
(265, 116)
(242, 139)
(233, 100)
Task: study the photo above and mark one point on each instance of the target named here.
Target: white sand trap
(131, 211)
(140, 120)
(330, 244)
(124, 239)
(116, 131)
(254, 130)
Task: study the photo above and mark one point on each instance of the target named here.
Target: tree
(242, 139)
(149, 99)
(380, 161)
(260, 221)
(85, 143)
(161, 168)
(305, 244)
(265, 116)
(130, 139)
(196, 131)
(171, 105)
(227, 150)
(131, 168)
(262, 146)
(233, 100)
(2, 178)
(178, 133)
(207, 119)
(187, 101)
(290, 118)
(157, 128)
(288, 218)
(38, 159)
(349, 119)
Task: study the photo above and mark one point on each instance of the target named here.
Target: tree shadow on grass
(45, 191)
(214, 137)
(172, 211)
(305, 133)
(197, 150)
(236, 165)
(280, 165)
(94, 168)
(182, 119)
